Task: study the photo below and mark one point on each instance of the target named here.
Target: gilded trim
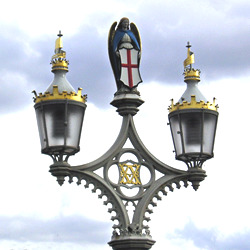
(192, 105)
(58, 60)
(192, 74)
(47, 96)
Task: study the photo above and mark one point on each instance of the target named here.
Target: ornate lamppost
(193, 120)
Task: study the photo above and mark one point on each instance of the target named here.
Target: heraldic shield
(130, 74)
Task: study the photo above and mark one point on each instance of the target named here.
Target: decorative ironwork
(126, 230)
(131, 162)
(148, 194)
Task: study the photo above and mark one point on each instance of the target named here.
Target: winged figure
(124, 46)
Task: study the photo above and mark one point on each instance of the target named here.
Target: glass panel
(209, 132)
(75, 118)
(40, 124)
(192, 131)
(175, 128)
(56, 124)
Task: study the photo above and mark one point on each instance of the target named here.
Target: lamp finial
(189, 72)
(59, 61)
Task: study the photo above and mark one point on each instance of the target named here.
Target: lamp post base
(132, 243)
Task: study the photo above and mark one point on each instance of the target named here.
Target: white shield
(130, 74)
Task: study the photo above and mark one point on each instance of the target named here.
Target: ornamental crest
(130, 74)
(129, 173)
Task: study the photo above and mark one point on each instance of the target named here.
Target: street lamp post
(60, 112)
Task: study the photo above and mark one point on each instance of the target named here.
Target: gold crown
(55, 95)
(59, 62)
(192, 74)
(193, 105)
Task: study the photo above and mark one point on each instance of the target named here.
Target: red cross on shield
(130, 74)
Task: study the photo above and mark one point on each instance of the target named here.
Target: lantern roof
(60, 88)
(192, 97)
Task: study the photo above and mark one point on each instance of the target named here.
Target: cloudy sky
(35, 212)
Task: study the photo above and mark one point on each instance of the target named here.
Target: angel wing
(110, 45)
(134, 29)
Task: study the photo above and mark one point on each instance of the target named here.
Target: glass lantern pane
(41, 128)
(175, 128)
(75, 119)
(60, 124)
(55, 124)
(209, 132)
(192, 131)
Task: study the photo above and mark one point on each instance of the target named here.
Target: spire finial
(190, 56)
(188, 45)
(59, 61)
(60, 33)
(190, 72)
(59, 43)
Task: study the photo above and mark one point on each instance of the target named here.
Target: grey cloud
(90, 66)
(22, 68)
(220, 42)
(209, 239)
(60, 229)
(240, 10)
(218, 35)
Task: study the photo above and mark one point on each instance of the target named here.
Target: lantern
(193, 120)
(60, 111)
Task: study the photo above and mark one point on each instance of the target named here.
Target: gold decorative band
(192, 105)
(59, 63)
(192, 74)
(47, 96)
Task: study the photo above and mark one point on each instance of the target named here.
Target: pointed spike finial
(59, 61)
(188, 45)
(60, 33)
(190, 57)
(59, 43)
